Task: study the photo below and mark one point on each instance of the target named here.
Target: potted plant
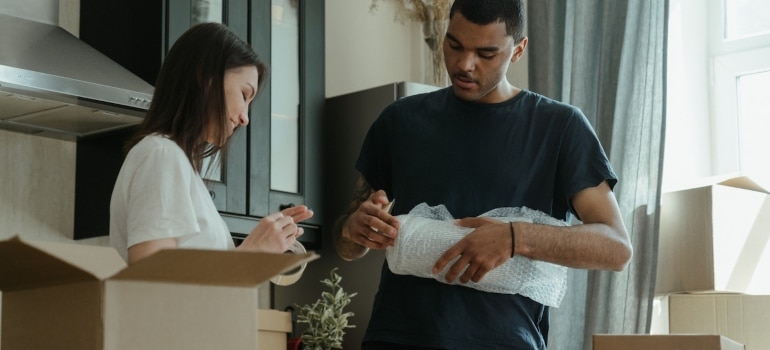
(326, 321)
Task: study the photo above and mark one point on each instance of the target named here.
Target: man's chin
(464, 93)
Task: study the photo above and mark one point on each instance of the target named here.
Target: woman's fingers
(298, 213)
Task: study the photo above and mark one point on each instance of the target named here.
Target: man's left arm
(600, 242)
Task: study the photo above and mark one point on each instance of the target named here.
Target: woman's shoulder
(156, 142)
(155, 146)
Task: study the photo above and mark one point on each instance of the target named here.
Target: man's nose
(466, 62)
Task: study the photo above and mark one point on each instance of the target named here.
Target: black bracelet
(513, 240)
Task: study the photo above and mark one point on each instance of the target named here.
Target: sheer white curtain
(608, 58)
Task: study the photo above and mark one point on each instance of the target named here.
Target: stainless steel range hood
(52, 84)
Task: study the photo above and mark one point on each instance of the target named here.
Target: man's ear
(519, 49)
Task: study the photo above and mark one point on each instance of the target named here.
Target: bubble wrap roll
(427, 232)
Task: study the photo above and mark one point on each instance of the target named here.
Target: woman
(203, 92)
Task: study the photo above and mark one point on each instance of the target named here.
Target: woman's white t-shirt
(158, 194)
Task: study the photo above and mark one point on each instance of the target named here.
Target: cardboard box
(664, 342)
(743, 318)
(68, 296)
(715, 238)
(274, 327)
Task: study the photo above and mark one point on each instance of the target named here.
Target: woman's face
(240, 86)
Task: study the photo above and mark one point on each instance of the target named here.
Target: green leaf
(325, 317)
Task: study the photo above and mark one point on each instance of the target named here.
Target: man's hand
(371, 225)
(482, 250)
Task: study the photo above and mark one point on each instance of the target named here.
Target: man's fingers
(450, 254)
(456, 269)
(367, 237)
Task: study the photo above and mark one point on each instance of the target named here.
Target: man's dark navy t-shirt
(471, 157)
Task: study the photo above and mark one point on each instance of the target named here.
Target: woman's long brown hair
(189, 92)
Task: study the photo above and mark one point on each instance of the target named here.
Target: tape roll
(292, 276)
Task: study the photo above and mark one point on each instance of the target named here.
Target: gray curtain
(608, 58)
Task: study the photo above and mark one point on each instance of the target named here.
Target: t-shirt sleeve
(583, 162)
(159, 204)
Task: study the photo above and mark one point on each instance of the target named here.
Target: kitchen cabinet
(137, 34)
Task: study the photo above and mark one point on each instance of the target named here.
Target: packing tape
(293, 275)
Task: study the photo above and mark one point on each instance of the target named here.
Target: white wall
(46, 11)
(37, 187)
(369, 48)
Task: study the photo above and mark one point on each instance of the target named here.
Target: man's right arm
(347, 249)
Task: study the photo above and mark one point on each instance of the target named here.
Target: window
(718, 116)
(745, 18)
(753, 92)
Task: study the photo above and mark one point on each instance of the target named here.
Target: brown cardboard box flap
(745, 183)
(664, 342)
(28, 264)
(23, 266)
(212, 267)
(100, 261)
(735, 180)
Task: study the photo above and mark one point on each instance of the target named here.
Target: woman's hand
(277, 232)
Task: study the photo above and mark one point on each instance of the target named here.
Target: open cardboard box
(664, 342)
(741, 317)
(69, 296)
(715, 238)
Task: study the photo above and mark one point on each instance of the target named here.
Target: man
(478, 145)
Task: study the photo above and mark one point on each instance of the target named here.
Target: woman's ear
(205, 81)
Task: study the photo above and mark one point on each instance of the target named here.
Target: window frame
(729, 59)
